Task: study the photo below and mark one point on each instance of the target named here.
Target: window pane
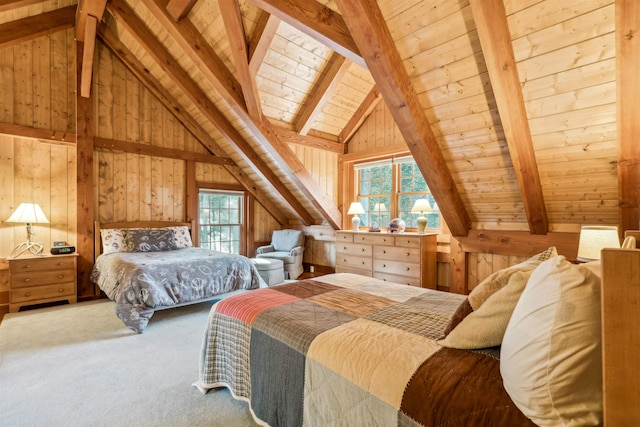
(220, 215)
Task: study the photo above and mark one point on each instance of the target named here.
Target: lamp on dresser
(421, 206)
(593, 238)
(28, 213)
(355, 209)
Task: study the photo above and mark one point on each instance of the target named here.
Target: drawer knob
(27, 266)
(61, 276)
(384, 265)
(408, 268)
(27, 294)
(27, 279)
(61, 290)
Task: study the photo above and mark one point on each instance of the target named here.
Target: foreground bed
(523, 348)
(153, 266)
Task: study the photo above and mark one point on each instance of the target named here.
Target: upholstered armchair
(287, 246)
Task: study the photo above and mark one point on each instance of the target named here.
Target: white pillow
(112, 240)
(551, 355)
(182, 236)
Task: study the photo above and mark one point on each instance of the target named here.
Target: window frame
(245, 211)
(351, 165)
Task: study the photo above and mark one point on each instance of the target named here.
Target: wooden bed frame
(621, 334)
(135, 224)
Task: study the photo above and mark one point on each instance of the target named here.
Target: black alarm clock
(62, 250)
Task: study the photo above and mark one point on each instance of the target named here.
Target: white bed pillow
(182, 236)
(112, 240)
(551, 355)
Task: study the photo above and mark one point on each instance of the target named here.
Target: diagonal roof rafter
(200, 52)
(123, 13)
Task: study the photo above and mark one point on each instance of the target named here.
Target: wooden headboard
(135, 224)
(621, 334)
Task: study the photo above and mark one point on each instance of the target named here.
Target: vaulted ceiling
(513, 109)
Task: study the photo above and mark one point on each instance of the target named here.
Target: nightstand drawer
(18, 266)
(38, 278)
(42, 292)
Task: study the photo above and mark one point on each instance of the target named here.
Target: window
(221, 219)
(388, 189)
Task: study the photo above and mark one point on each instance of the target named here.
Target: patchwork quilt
(350, 350)
(142, 282)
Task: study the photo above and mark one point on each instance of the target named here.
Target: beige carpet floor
(79, 365)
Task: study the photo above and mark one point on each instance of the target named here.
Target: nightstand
(42, 279)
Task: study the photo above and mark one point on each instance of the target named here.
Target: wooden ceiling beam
(261, 38)
(493, 30)
(123, 13)
(364, 110)
(232, 18)
(370, 31)
(129, 60)
(336, 68)
(628, 91)
(91, 29)
(85, 9)
(293, 137)
(25, 29)
(318, 22)
(45, 135)
(179, 9)
(200, 52)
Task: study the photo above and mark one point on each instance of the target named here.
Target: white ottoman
(271, 270)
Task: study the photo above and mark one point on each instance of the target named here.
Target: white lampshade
(380, 207)
(28, 213)
(421, 206)
(593, 239)
(355, 209)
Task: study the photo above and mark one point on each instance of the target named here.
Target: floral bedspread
(142, 282)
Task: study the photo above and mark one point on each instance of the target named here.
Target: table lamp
(355, 209)
(421, 206)
(28, 213)
(593, 238)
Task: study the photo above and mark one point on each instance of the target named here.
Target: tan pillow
(485, 327)
(551, 354)
(499, 279)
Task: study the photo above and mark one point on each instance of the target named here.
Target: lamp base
(27, 247)
(355, 221)
(422, 224)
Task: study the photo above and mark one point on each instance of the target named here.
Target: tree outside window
(221, 220)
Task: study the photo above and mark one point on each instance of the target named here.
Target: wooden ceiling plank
(6, 5)
(628, 93)
(179, 9)
(189, 39)
(200, 52)
(293, 137)
(317, 21)
(85, 9)
(91, 29)
(232, 18)
(364, 110)
(171, 104)
(25, 29)
(123, 13)
(370, 31)
(336, 68)
(261, 38)
(493, 31)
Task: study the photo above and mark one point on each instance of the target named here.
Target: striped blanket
(350, 350)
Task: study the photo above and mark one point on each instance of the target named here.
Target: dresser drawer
(397, 268)
(403, 280)
(397, 253)
(353, 261)
(375, 239)
(355, 249)
(346, 269)
(37, 278)
(18, 266)
(408, 241)
(344, 237)
(43, 292)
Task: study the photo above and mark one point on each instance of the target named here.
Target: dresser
(42, 279)
(408, 258)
